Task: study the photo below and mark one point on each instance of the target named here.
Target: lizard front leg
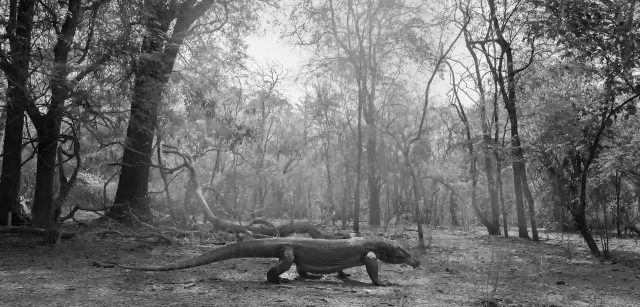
(286, 260)
(371, 263)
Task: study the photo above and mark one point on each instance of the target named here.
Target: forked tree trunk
(158, 55)
(45, 213)
(517, 175)
(507, 85)
(532, 210)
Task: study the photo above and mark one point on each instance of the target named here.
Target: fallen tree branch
(261, 222)
(35, 231)
(277, 231)
(137, 235)
(160, 229)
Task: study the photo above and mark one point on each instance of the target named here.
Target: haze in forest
(171, 120)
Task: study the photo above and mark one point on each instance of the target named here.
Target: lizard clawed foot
(343, 275)
(311, 276)
(280, 280)
(379, 283)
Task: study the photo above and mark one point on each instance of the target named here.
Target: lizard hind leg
(371, 263)
(306, 275)
(286, 260)
(343, 275)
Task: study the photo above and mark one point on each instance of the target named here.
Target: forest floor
(458, 269)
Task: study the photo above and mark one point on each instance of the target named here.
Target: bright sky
(267, 47)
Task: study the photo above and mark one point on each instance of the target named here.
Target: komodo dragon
(320, 256)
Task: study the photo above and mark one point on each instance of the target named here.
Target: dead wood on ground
(277, 231)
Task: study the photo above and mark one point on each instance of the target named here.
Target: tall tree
(366, 35)
(603, 37)
(59, 26)
(167, 24)
(15, 65)
(500, 23)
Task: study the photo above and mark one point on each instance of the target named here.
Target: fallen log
(38, 232)
(277, 231)
(631, 227)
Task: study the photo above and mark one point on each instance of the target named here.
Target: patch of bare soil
(459, 269)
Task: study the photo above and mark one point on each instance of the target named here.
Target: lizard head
(393, 252)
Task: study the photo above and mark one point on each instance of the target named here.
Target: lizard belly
(328, 265)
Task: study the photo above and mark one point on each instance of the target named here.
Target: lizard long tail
(246, 249)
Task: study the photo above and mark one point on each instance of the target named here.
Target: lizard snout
(413, 262)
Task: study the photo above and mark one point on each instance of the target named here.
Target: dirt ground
(458, 269)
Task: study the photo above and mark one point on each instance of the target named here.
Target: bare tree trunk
(19, 31)
(532, 210)
(356, 208)
(453, 207)
(45, 214)
(374, 192)
(492, 189)
(505, 226)
(416, 196)
(507, 85)
(12, 156)
(498, 159)
(517, 182)
(154, 66)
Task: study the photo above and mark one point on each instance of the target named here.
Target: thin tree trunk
(619, 220)
(505, 225)
(492, 190)
(416, 197)
(508, 92)
(453, 207)
(498, 159)
(532, 210)
(374, 192)
(517, 175)
(327, 155)
(356, 208)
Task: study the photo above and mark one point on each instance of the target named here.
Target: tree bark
(374, 192)
(453, 207)
(151, 76)
(156, 62)
(492, 190)
(473, 169)
(579, 216)
(517, 180)
(45, 213)
(532, 210)
(498, 159)
(508, 92)
(356, 205)
(12, 157)
(16, 69)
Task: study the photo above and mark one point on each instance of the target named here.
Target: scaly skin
(317, 256)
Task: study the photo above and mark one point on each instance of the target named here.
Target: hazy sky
(265, 46)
